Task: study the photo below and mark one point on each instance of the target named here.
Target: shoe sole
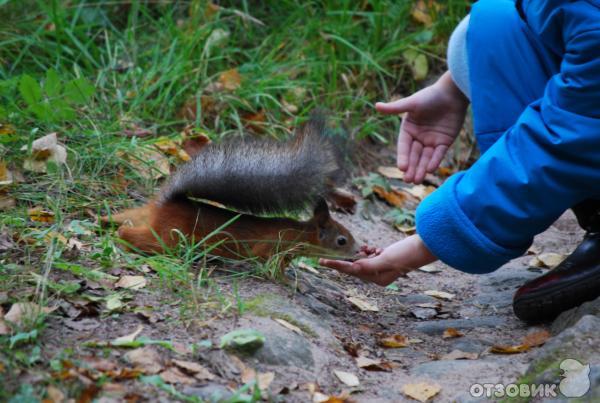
(547, 304)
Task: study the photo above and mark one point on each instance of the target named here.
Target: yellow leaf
(6, 129)
(6, 177)
(451, 333)
(439, 294)
(394, 341)
(38, 214)
(421, 391)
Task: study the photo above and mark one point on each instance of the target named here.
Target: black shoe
(573, 282)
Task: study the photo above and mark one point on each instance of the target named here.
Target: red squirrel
(254, 177)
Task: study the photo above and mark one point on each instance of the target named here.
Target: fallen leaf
(43, 150)
(417, 62)
(509, 349)
(393, 341)
(451, 333)
(145, 359)
(459, 355)
(347, 378)
(393, 197)
(38, 214)
(230, 79)
(430, 268)
(54, 395)
(149, 163)
(174, 375)
(439, 294)
(363, 305)
(198, 371)
(391, 172)
(131, 282)
(534, 339)
(129, 337)
(374, 365)
(288, 325)
(420, 191)
(255, 121)
(6, 177)
(21, 312)
(343, 200)
(169, 147)
(548, 260)
(421, 391)
(304, 266)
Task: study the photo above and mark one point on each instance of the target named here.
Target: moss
(265, 305)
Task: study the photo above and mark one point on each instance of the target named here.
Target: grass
(90, 70)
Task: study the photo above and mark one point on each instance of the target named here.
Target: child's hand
(433, 119)
(382, 267)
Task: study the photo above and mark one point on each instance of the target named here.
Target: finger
(404, 142)
(395, 107)
(416, 149)
(341, 266)
(436, 158)
(423, 164)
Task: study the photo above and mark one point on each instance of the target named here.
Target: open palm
(433, 118)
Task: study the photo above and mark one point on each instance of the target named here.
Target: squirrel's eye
(341, 240)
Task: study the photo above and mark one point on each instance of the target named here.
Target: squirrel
(255, 177)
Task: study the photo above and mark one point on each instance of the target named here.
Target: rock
(436, 327)
(414, 299)
(497, 288)
(580, 342)
(446, 368)
(284, 347)
(209, 393)
(572, 316)
(469, 345)
(424, 313)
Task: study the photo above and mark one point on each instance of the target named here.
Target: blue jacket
(535, 80)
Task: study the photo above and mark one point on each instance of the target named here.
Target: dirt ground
(327, 331)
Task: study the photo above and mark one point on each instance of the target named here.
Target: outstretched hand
(433, 118)
(383, 267)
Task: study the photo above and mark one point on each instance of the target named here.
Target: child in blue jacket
(531, 71)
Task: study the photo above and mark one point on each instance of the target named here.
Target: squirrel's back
(261, 176)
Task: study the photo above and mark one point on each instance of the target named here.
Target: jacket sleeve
(543, 165)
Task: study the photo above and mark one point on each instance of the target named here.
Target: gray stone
(572, 316)
(209, 393)
(424, 313)
(444, 368)
(414, 299)
(497, 288)
(438, 326)
(580, 342)
(469, 345)
(284, 347)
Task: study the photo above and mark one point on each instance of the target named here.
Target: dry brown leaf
(393, 341)
(21, 312)
(38, 214)
(7, 129)
(200, 372)
(420, 191)
(439, 294)
(43, 150)
(420, 13)
(548, 260)
(288, 325)
(145, 359)
(421, 391)
(459, 355)
(536, 339)
(451, 333)
(342, 200)
(129, 337)
(374, 365)
(391, 172)
(347, 378)
(7, 202)
(255, 121)
(54, 394)
(149, 163)
(363, 305)
(230, 79)
(6, 177)
(131, 282)
(304, 266)
(174, 375)
(169, 147)
(394, 197)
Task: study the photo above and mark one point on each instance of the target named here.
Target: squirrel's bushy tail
(261, 176)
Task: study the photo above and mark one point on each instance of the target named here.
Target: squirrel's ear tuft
(321, 213)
